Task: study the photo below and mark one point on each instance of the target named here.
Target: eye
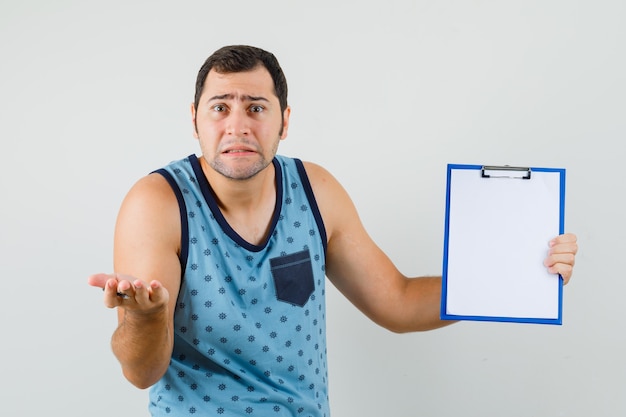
(256, 109)
(219, 108)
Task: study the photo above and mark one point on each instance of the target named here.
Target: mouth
(238, 151)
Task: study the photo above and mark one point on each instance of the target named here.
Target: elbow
(141, 384)
(395, 326)
(403, 327)
(143, 380)
(400, 329)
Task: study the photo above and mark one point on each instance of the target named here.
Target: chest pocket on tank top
(293, 277)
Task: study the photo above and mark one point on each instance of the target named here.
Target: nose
(238, 124)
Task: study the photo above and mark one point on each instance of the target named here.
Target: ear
(286, 115)
(193, 121)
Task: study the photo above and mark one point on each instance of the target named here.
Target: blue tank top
(250, 320)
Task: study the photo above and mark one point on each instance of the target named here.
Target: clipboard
(498, 222)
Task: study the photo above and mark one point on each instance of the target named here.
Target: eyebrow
(244, 97)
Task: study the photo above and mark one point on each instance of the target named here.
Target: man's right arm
(146, 280)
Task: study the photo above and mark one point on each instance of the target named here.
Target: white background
(95, 94)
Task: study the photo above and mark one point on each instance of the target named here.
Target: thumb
(99, 280)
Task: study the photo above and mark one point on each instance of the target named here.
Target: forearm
(143, 346)
(419, 307)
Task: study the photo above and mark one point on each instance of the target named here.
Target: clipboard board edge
(527, 320)
(444, 278)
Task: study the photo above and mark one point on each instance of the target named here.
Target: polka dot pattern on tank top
(250, 336)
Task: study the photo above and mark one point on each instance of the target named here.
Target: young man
(221, 261)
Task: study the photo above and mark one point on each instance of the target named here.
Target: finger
(137, 290)
(564, 248)
(141, 292)
(111, 295)
(150, 293)
(124, 286)
(158, 293)
(564, 238)
(98, 280)
(566, 257)
(564, 270)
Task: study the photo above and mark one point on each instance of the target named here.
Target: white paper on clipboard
(499, 221)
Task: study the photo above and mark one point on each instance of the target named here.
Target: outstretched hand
(562, 255)
(130, 293)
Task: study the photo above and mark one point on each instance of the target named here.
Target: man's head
(240, 58)
(240, 112)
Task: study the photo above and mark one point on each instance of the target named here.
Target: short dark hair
(239, 58)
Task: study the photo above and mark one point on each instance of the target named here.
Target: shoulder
(320, 176)
(325, 185)
(150, 207)
(334, 202)
(152, 188)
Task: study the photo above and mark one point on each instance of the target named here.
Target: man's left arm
(363, 273)
(368, 278)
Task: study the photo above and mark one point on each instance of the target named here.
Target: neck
(247, 205)
(234, 193)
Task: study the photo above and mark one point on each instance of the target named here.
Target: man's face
(239, 123)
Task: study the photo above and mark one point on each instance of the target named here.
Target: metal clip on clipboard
(505, 171)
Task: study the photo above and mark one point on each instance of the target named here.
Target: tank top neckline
(209, 197)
